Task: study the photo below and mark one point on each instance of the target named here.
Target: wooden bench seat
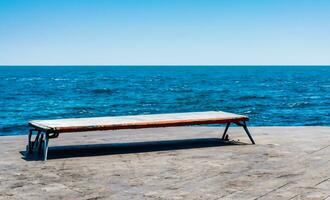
(52, 128)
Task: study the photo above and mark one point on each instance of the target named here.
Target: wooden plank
(136, 121)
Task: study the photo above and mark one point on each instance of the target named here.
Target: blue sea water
(284, 96)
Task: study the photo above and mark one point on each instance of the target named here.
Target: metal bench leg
(41, 139)
(32, 144)
(46, 139)
(225, 132)
(36, 142)
(247, 132)
(29, 145)
(40, 142)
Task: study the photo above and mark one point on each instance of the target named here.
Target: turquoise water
(283, 96)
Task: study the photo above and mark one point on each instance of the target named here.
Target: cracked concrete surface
(171, 163)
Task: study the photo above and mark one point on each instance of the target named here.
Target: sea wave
(252, 97)
(268, 95)
(103, 91)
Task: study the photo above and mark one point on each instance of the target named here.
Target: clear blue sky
(164, 32)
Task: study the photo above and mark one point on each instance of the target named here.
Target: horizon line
(180, 65)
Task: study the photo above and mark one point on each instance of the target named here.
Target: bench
(47, 129)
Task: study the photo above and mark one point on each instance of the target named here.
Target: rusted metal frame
(243, 124)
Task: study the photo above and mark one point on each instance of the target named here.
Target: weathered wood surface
(136, 121)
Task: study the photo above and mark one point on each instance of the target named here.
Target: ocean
(270, 95)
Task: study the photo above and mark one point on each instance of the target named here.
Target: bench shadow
(88, 150)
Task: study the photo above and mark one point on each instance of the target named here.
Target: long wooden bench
(47, 129)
